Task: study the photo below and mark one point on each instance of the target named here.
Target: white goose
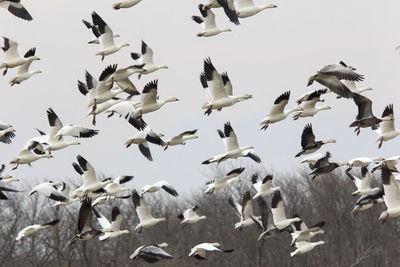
(90, 183)
(208, 23)
(146, 58)
(142, 138)
(278, 111)
(304, 246)
(244, 210)
(232, 147)
(247, 8)
(115, 188)
(6, 133)
(367, 201)
(31, 152)
(387, 130)
(16, 8)
(151, 253)
(360, 162)
(112, 229)
(149, 100)
(220, 94)
(146, 220)
(229, 178)
(95, 32)
(13, 59)
(23, 71)
(309, 108)
(181, 138)
(278, 212)
(300, 232)
(391, 195)
(49, 191)
(264, 186)
(126, 4)
(364, 184)
(108, 46)
(190, 216)
(27, 231)
(199, 251)
(8, 178)
(158, 186)
(307, 95)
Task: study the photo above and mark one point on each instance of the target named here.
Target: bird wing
(10, 49)
(169, 189)
(280, 103)
(89, 174)
(230, 137)
(307, 137)
(277, 208)
(24, 68)
(17, 9)
(391, 188)
(55, 124)
(144, 149)
(229, 9)
(227, 83)
(364, 105)
(266, 183)
(107, 35)
(116, 219)
(85, 216)
(236, 206)
(149, 93)
(155, 251)
(247, 206)
(342, 73)
(105, 224)
(217, 86)
(147, 54)
(141, 208)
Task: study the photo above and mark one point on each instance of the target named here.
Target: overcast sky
(272, 52)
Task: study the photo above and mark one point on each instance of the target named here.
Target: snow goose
(244, 210)
(181, 138)
(27, 231)
(146, 220)
(367, 201)
(32, 151)
(220, 94)
(269, 229)
(233, 150)
(208, 23)
(387, 130)
(112, 229)
(300, 232)
(278, 212)
(8, 178)
(48, 190)
(360, 162)
(57, 131)
(125, 109)
(4, 197)
(264, 186)
(365, 118)
(88, 173)
(331, 76)
(96, 32)
(151, 253)
(102, 199)
(64, 190)
(142, 138)
(16, 8)
(85, 228)
(391, 195)
(304, 246)
(247, 8)
(146, 58)
(190, 216)
(308, 143)
(199, 251)
(306, 96)
(114, 188)
(323, 166)
(121, 77)
(364, 184)
(6, 133)
(229, 178)
(158, 186)
(309, 108)
(149, 100)
(277, 112)
(108, 46)
(125, 4)
(23, 71)
(389, 162)
(13, 59)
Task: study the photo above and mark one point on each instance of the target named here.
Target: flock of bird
(103, 95)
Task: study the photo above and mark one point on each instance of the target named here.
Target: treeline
(350, 240)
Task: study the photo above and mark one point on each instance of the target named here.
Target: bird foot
(380, 144)
(208, 112)
(5, 71)
(111, 114)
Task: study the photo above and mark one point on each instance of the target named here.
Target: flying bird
(146, 58)
(23, 72)
(29, 230)
(207, 21)
(229, 178)
(386, 129)
(308, 143)
(365, 118)
(181, 138)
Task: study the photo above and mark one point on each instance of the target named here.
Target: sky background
(268, 54)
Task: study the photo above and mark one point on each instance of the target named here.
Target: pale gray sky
(272, 52)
